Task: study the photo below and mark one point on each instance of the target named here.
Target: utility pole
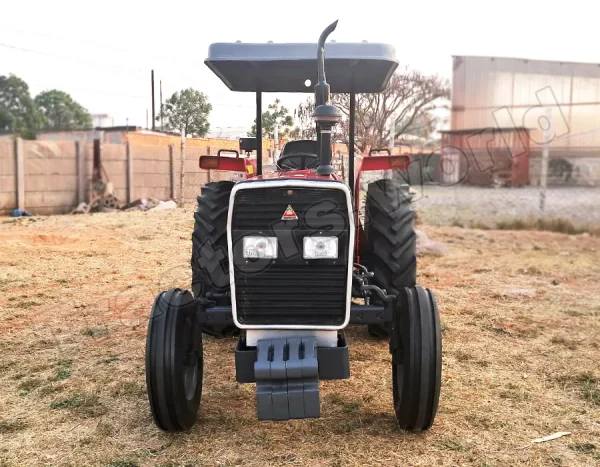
(545, 156)
(147, 119)
(161, 108)
(153, 107)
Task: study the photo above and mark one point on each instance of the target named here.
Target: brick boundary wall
(53, 177)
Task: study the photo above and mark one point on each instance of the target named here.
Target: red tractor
(279, 257)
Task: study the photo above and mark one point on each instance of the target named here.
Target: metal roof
(527, 60)
(359, 67)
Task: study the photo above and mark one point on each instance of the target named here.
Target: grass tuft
(588, 385)
(128, 388)
(109, 359)
(85, 405)
(351, 407)
(11, 427)
(121, 463)
(585, 448)
(26, 304)
(71, 402)
(561, 340)
(64, 370)
(95, 332)
(546, 224)
(453, 444)
(29, 385)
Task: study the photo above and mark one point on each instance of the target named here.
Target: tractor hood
(308, 174)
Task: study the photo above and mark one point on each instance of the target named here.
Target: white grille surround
(292, 183)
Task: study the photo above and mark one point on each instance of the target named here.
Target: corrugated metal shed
(510, 92)
(556, 100)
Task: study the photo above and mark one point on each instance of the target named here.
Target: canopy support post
(259, 140)
(351, 142)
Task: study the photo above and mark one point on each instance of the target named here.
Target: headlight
(260, 247)
(320, 247)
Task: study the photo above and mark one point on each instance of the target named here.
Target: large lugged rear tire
(391, 239)
(210, 266)
(174, 361)
(416, 347)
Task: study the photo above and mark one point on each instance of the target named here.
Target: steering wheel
(303, 156)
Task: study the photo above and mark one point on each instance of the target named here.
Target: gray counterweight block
(287, 378)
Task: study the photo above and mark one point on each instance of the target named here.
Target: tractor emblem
(289, 214)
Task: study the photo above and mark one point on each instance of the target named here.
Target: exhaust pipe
(326, 115)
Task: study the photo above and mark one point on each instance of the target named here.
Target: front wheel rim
(190, 380)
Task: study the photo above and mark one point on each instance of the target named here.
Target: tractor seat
(302, 147)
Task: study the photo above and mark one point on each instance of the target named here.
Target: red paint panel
(384, 163)
(232, 164)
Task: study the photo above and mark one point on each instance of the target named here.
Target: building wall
(8, 178)
(51, 169)
(51, 179)
(51, 175)
(508, 93)
(483, 87)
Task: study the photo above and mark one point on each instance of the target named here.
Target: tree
(187, 111)
(275, 115)
(408, 100)
(61, 112)
(304, 116)
(17, 109)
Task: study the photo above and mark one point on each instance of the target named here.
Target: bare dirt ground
(521, 322)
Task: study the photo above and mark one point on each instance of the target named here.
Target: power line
(137, 96)
(76, 59)
(98, 65)
(95, 44)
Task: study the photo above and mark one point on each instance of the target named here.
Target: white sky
(102, 52)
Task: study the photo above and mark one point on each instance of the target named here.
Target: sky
(102, 52)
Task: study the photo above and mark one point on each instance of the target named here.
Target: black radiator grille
(293, 295)
(291, 290)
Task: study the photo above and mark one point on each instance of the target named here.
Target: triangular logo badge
(289, 214)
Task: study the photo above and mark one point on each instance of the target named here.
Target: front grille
(292, 295)
(290, 290)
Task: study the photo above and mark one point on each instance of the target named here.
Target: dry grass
(547, 224)
(542, 224)
(521, 318)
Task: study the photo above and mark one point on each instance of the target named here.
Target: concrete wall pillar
(20, 173)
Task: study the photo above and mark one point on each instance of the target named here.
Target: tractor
(286, 261)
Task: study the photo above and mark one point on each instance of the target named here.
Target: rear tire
(391, 239)
(210, 265)
(174, 361)
(416, 347)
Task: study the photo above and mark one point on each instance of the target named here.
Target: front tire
(416, 347)
(391, 239)
(174, 361)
